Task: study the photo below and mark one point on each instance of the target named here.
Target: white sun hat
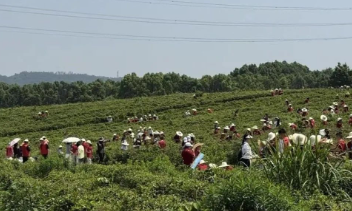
(60, 146)
(226, 128)
(248, 129)
(255, 127)
(349, 135)
(350, 115)
(335, 103)
(223, 164)
(339, 119)
(311, 118)
(324, 118)
(345, 106)
(202, 162)
(129, 129)
(271, 136)
(232, 125)
(304, 110)
(179, 133)
(216, 122)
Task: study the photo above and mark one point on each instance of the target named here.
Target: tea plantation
(152, 179)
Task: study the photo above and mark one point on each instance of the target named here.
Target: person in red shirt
(9, 151)
(197, 148)
(290, 108)
(304, 112)
(26, 150)
(339, 123)
(44, 147)
(74, 152)
(311, 122)
(89, 152)
(342, 147)
(188, 154)
(85, 146)
(162, 144)
(292, 126)
(202, 166)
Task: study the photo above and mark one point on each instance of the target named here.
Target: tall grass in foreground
(307, 170)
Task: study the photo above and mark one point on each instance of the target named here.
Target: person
(272, 92)
(341, 144)
(325, 137)
(226, 129)
(324, 120)
(304, 112)
(262, 148)
(80, 152)
(202, 166)
(232, 130)
(266, 126)
(306, 101)
(247, 154)
(284, 141)
(85, 146)
(226, 166)
(17, 151)
(115, 137)
(311, 122)
(271, 138)
(216, 125)
(197, 148)
(101, 150)
(26, 150)
(74, 152)
(178, 136)
(210, 110)
(89, 152)
(256, 131)
(277, 122)
(188, 154)
(266, 117)
(287, 102)
(9, 151)
(345, 108)
(162, 143)
(59, 151)
(339, 123)
(217, 130)
(342, 103)
(292, 126)
(44, 148)
(194, 111)
(290, 108)
(124, 145)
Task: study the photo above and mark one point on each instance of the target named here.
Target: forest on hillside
(266, 76)
(24, 78)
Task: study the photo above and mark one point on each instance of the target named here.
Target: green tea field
(153, 179)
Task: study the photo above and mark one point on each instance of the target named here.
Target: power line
(158, 38)
(163, 21)
(232, 6)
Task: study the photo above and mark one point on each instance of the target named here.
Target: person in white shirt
(80, 156)
(247, 154)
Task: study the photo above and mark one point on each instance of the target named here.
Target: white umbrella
(71, 140)
(15, 141)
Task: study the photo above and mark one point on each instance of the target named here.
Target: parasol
(15, 141)
(71, 140)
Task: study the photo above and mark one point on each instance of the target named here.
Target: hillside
(154, 179)
(24, 78)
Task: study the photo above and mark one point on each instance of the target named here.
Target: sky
(104, 57)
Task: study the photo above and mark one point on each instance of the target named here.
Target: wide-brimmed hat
(216, 122)
(188, 144)
(89, 142)
(179, 133)
(194, 109)
(60, 146)
(304, 110)
(129, 130)
(255, 127)
(232, 125)
(335, 103)
(26, 140)
(115, 134)
(226, 128)
(349, 135)
(271, 136)
(202, 162)
(345, 106)
(311, 118)
(223, 164)
(156, 133)
(350, 115)
(248, 129)
(197, 145)
(290, 104)
(339, 119)
(324, 118)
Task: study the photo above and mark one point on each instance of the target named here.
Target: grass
(150, 179)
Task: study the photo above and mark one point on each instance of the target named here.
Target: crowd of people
(144, 118)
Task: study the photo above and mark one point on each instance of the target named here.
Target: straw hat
(232, 125)
(335, 103)
(304, 110)
(339, 119)
(197, 145)
(290, 104)
(129, 129)
(216, 122)
(89, 142)
(255, 127)
(179, 133)
(345, 106)
(324, 118)
(60, 146)
(194, 109)
(271, 136)
(349, 135)
(226, 128)
(156, 133)
(311, 118)
(248, 129)
(350, 115)
(26, 140)
(223, 164)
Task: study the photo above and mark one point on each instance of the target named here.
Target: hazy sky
(33, 52)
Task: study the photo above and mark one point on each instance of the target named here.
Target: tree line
(266, 76)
